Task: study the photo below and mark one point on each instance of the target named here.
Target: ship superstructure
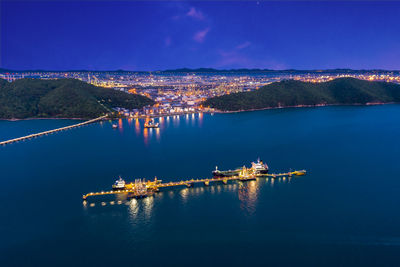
(259, 167)
(150, 123)
(119, 184)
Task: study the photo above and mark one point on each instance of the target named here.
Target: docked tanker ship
(256, 167)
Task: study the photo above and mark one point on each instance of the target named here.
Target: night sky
(159, 35)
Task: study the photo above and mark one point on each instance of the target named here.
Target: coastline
(306, 106)
(55, 118)
(218, 111)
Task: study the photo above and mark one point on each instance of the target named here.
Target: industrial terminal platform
(140, 189)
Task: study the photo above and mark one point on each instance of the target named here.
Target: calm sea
(344, 212)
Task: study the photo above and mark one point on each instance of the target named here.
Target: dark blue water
(344, 212)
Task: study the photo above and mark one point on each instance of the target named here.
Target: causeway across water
(3, 143)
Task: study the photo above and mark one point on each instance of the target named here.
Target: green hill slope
(63, 98)
(296, 93)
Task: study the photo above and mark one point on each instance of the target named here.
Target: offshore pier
(141, 188)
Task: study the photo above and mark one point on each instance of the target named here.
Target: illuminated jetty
(3, 143)
(153, 186)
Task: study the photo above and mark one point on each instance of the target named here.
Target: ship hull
(233, 173)
(225, 173)
(118, 188)
(249, 178)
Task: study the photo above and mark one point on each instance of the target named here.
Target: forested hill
(290, 93)
(63, 98)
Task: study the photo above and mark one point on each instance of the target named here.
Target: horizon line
(201, 69)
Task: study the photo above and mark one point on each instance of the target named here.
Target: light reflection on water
(157, 134)
(193, 119)
(146, 136)
(133, 208)
(247, 193)
(149, 133)
(137, 126)
(176, 120)
(248, 197)
(148, 204)
(120, 126)
(200, 119)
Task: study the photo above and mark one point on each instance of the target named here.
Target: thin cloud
(201, 35)
(243, 45)
(195, 13)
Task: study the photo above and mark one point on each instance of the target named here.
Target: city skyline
(151, 36)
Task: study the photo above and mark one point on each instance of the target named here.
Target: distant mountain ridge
(211, 70)
(63, 98)
(241, 70)
(291, 93)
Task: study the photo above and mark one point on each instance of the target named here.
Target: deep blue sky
(158, 35)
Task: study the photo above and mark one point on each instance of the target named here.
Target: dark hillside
(66, 98)
(296, 93)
